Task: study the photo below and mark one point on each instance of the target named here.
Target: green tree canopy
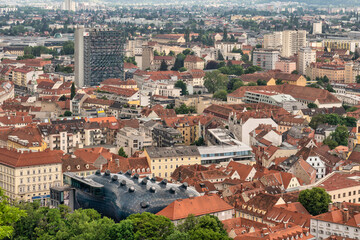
(73, 90)
(9, 215)
(122, 153)
(315, 200)
(180, 84)
(312, 105)
(150, 226)
(183, 109)
(220, 94)
(215, 80)
(260, 82)
(339, 137)
(163, 66)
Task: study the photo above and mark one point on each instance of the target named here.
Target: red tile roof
(207, 204)
(13, 158)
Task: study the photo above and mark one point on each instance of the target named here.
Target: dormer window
(68, 168)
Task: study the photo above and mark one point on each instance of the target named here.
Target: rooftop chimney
(346, 215)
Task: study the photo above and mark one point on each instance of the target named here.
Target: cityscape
(180, 120)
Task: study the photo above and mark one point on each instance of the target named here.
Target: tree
(221, 95)
(315, 200)
(73, 90)
(163, 66)
(156, 53)
(200, 142)
(279, 82)
(340, 135)
(237, 84)
(187, 35)
(225, 35)
(212, 65)
(180, 84)
(252, 69)
(182, 69)
(123, 230)
(295, 72)
(68, 48)
(67, 113)
(171, 53)
(9, 215)
(62, 98)
(245, 58)
(260, 82)
(215, 80)
(122, 153)
(179, 62)
(312, 105)
(251, 84)
(220, 56)
(150, 226)
(183, 109)
(358, 79)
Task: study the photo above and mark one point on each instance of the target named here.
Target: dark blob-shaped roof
(120, 195)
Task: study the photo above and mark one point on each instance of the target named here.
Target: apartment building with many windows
(164, 160)
(28, 176)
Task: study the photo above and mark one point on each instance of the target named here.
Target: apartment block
(98, 55)
(265, 58)
(28, 176)
(164, 160)
(292, 41)
(306, 56)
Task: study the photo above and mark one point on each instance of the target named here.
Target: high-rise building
(288, 42)
(99, 55)
(306, 55)
(317, 28)
(273, 40)
(292, 41)
(69, 5)
(265, 58)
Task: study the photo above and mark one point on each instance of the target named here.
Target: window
(349, 193)
(344, 194)
(21, 173)
(354, 192)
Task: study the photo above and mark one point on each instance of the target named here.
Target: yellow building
(188, 126)
(347, 44)
(21, 76)
(28, 176)
(335, 72)
(164, 160)
(28, 137)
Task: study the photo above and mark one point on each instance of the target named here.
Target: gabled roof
(198, 206)
(242, 169)
(12, 158)
(90, 155)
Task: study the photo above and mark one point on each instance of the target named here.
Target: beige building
(193, 62)
(342, 187)
(292, 41)
(335, 72)
(273, 40)
(164, 160)
(132, 140)
(28, 176)
(306, 56)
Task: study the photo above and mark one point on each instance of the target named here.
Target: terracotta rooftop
(198, 206)
(12, 158)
